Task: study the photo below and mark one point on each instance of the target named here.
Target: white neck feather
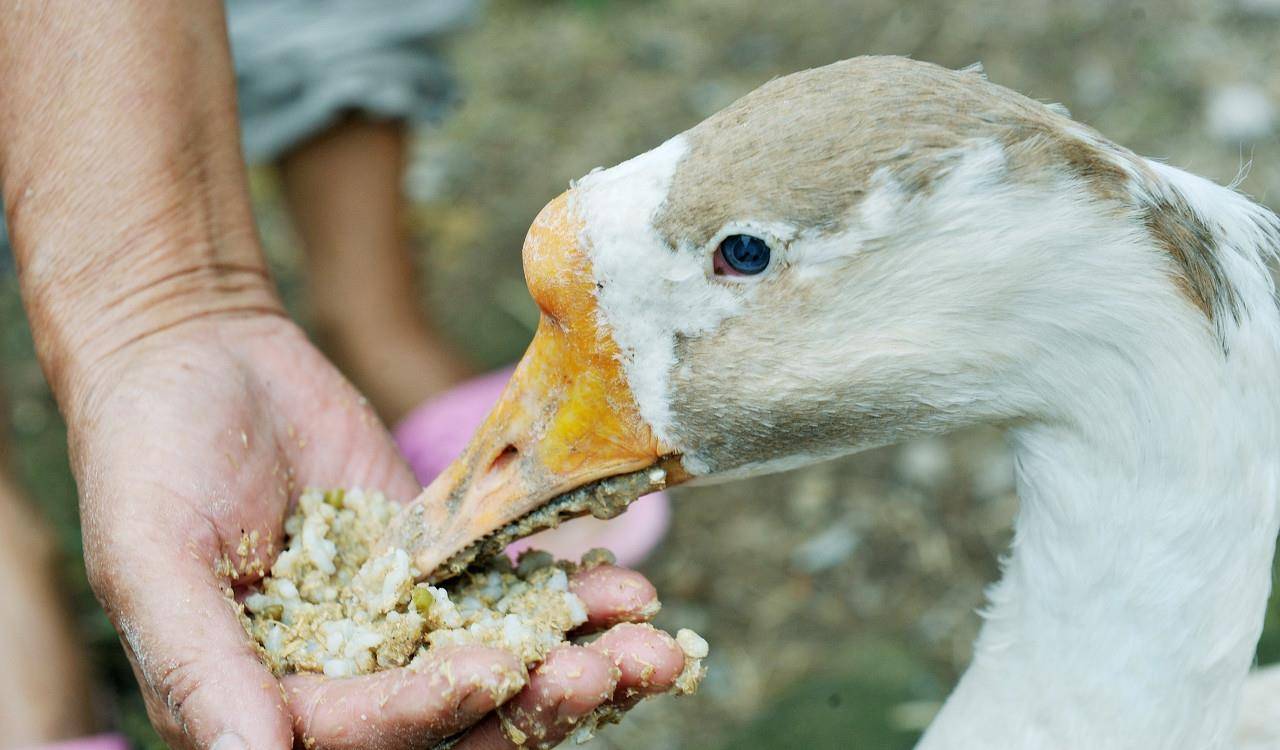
(1133, 598)
(1134, 594)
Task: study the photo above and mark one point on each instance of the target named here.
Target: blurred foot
(344, 190)
(436, 432)
(390, 356)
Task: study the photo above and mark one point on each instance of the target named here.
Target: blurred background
(839, 601)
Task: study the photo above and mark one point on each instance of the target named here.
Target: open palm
(188, 446)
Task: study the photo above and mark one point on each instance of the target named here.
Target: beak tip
(582, 444)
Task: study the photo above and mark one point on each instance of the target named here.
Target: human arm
(195, 408)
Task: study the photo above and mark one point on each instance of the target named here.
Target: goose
(882, 249)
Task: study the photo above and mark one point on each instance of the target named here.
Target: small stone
(926, 463)
(1239, 112)
(825, 551)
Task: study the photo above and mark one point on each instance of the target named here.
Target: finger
(203, 683)
(413, 707)
(613, 595)
(571, 683)
(648, 660)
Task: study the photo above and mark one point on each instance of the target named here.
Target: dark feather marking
(1191, 244)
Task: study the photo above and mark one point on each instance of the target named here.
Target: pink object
(96, 742)
(437, 432)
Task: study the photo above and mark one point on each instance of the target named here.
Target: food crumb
(695, 649)
(594, 558)
(330, 606)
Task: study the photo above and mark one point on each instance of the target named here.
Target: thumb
(204, 687)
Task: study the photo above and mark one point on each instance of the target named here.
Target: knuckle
(171, 687)
(164, 723)
(176, 683)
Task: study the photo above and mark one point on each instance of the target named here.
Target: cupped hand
(188, 445)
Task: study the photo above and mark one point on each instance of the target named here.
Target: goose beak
(566, 419)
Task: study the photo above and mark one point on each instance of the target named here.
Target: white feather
(648, 294)
(1148, 462)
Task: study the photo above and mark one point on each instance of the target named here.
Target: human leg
(344, 189)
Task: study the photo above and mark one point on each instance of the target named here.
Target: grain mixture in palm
(331, 606)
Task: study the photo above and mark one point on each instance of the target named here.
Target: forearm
(122, 176)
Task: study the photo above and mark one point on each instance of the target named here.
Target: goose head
(847, 257)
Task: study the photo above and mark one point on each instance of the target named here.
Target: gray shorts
(301, 64)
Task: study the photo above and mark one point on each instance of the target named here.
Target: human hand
(195, 410)
(188, 445)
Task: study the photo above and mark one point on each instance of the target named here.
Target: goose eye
(741, 255)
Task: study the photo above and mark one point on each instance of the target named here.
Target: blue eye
(742, 254)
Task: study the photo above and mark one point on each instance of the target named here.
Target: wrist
(86, 318)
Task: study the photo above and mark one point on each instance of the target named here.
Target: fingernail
(228, 741)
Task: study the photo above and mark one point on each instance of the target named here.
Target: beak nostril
(496, 474)
(507, 455)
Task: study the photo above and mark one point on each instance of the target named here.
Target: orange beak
(566, 419)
